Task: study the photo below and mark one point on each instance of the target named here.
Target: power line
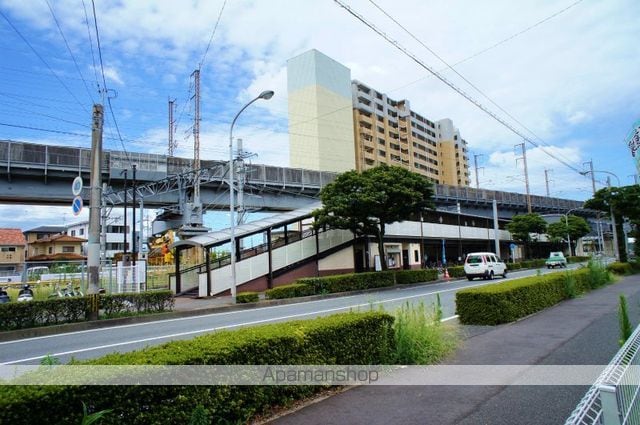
(467, 81)
(43, 61)
(93, 57)
(215, 27)
(55, 19)
(413, 57)
(43, 129)
(104, 81)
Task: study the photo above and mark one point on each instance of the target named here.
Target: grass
(420, 336)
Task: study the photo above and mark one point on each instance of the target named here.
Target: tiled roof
(66, 256)
(12, 237)
(46, 229)
(59, 238)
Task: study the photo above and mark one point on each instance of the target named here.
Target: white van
(485, 265)
(35, 272)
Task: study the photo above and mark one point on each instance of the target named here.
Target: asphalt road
(97, 342)
(582, 331)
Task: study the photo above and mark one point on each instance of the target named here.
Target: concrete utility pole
(103, 227)
(133, 215)
(616, 248)
(496, 228)
(593, 185)
(526, 174)
(93, 245)
(475, 161)
(172, 142)
(546, 180)
(196, 137)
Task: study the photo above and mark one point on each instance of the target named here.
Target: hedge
(620, 268)
(349, 282)
(344, 339)
(509, 301)
(247, 297)
(415, 276)
(290, 291)
(456, 271)
(74, 309)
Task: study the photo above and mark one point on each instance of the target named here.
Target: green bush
(344, 339)
(620, 268)
(578, 259)
(509, 301)
(456, 271)
(74, 309)
(349, 282)
(290, 291)
(247, 297)
(415, 276)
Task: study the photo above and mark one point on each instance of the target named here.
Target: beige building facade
(336, 124)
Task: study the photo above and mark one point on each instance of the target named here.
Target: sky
(564, 73)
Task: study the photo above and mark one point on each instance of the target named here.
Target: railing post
(609, 401)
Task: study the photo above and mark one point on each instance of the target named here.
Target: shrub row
(456, 271)
(344, 339)
(578, 258)
(350, 282)
(526, 264)
(247, 297)
(290, 291)
(74, 309)
(624, 268)
(509, 301)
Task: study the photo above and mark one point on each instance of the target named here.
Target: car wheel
(469, 277)
(504, 274)
(491, 276)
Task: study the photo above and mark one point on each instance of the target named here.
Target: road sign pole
(93, 245)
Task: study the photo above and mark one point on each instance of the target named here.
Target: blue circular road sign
(76, 205)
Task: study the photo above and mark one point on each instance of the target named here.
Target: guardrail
(613, 398)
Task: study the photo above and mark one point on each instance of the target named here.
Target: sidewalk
(579, 331)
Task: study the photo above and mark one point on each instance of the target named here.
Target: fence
(613, 398)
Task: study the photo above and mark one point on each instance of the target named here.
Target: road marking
(218, 328)
(255, 322)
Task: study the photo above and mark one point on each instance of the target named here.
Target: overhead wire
(55, 74)
(55, 19)
(440, 77)
(93, 56)
(450, 67)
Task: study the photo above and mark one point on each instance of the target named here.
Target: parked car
(556, 259)
(485, 265)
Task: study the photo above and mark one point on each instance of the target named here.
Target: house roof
(12, 237)
(60, 238)
(46, 229)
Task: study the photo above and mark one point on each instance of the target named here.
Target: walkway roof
(224, 235)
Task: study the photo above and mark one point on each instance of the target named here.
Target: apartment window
(381, 141)
(380, 129)
(8, 249)
(50, 250)
(73, 233)
(379, 107)
(382, 153)
(68, 249)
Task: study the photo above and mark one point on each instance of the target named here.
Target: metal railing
(613, 398)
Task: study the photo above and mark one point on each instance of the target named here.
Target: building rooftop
(47, 229)
(60, 238)
(12, 237)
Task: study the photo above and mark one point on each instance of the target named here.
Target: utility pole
(133, 215)
(240, 171)
(475, 161)
(103, 227)
(546, 180)
(616, 248)
(125, 258)
(635, 178)
(526, 174)
(196, 137)
(593, 185)
(173, 144)
(593, 176)
(496, 228)
(93, 245)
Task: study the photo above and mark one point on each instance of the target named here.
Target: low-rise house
(12, 251)
(40, 233)
(58, 247)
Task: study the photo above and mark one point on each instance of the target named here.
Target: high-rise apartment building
(336, 124)
(320, 121)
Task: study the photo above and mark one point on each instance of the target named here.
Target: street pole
(459, 234)
(133, 215)
(475, 161)
(496, 228)
(124, 251)
(266, 95)
(93, 245)
(616, 248)
(566, 222)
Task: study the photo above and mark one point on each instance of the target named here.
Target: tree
(522, 226)
(365, 202)
(623, 201)
(578, 227)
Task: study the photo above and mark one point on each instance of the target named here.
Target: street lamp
(266, 95)
(566, 222)
(613, 219)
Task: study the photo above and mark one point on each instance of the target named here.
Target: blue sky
(567, 70)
